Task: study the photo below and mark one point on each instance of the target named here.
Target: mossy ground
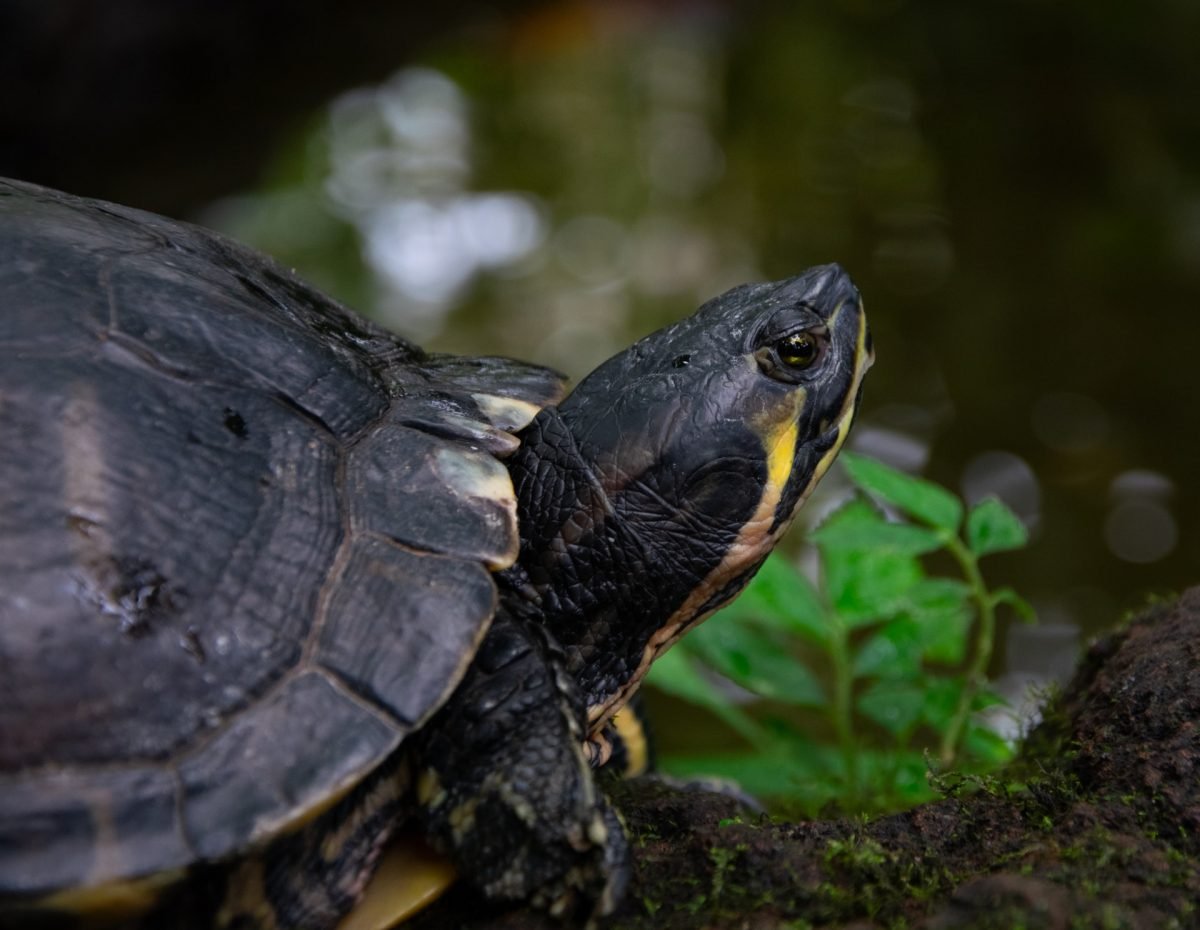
(1097, 825)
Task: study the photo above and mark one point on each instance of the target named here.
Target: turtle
(276, 583)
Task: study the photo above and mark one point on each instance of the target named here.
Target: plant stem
(843, 686)
(984, 642)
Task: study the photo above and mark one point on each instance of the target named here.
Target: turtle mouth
(845, 416)
(834, 432)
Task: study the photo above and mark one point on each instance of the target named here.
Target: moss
(722, 858)
(1072, 838)
(866, 879)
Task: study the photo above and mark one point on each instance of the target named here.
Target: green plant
(859, 677)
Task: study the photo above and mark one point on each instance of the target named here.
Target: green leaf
(856, 512)
(940, 596)
(945, 636)
(992, 527)
(858, 524)
(986, 698)
(943, 609)
(800, 770)
(987, 745)
(868, 587)
(1022, 607)
(677, 673)
(941, 701)
(864, 584)
(759, 660)
(893, 653)
(928, 502)
(780, 596)
(894, 705)
(903, 538)
(910, 783)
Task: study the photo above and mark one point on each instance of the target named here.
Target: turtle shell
(245, 540)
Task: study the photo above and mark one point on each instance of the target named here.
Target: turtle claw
(592, 889)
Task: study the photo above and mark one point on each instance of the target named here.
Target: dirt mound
(1096, 825)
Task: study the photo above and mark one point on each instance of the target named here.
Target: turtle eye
(799, 350)
(793, 357)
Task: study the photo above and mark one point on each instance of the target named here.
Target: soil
(1097, 824)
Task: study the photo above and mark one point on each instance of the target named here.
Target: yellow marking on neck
(410, 876)
(780, 432)
(781, 454)
(632, 734)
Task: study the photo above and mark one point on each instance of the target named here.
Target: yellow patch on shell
(410, 876)
(480, 475)
(475, 474)
(113, 901)
(506, 413)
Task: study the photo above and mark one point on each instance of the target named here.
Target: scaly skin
(647, 500)
(506, 786)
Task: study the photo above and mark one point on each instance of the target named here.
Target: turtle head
(678, 465)
(730, 416)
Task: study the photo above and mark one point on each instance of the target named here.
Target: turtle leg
(504, 785)
(307, 878)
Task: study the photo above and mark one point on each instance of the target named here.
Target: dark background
(1014, 186)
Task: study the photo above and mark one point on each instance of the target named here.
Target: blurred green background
(1015, 187)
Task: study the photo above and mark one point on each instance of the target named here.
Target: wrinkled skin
(647, 500)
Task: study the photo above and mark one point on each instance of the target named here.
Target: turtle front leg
(505, 788)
